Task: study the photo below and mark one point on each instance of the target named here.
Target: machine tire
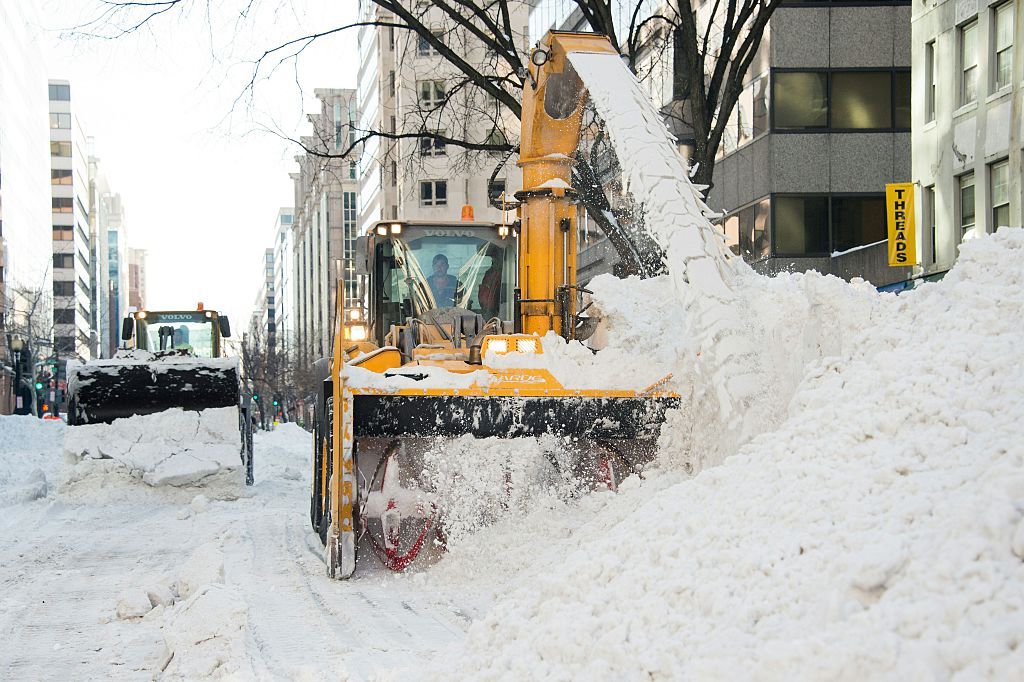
(321, 369)
(314, 494)
(324, 525)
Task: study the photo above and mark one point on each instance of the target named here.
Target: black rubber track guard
(104, 394)
(510, 417)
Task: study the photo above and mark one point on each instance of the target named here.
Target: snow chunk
(204, 567)
(206, 636)
(133, 603)
(171, 448)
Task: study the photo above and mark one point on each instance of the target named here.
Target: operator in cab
(444, 287)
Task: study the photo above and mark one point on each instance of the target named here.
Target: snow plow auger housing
(176, 362)
(448, 356)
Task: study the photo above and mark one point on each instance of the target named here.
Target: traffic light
(255, 397)
(39, 385)
(275, 402)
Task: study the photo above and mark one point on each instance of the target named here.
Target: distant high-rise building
(109, 261)
(25, 247)
(137, 279)
(72, 247)
(283, 288)
(324, 226)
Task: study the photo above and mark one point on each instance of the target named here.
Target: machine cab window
(437, 269)
(191, 331)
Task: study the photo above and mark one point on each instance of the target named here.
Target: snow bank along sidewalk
(171, 448)
(28, 466)
(878, 532)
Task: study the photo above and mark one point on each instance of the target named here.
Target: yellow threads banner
(899, 211)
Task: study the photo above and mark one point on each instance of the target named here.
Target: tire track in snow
(42, 638)
(358, 628)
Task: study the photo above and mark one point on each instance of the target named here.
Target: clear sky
(184, 144)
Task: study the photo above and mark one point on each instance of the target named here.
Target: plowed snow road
(66, 559)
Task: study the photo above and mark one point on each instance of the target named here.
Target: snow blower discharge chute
(176, 360)
(449, 342)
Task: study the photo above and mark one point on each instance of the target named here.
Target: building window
(349, 231)
(64, 316)
(800, 99)
(495, 189)
(352, 122)
(999, 181)
(857, 221)
(391, 84)
(967, 37)
(60, 93)
(752, 111)
(496, 137)
(1002, 46)
(424, 48)
(352, 170)
(929, 82)
(749, 235)
(800, 225)
(62, 233)
(394, 173)
(63, 260)
(431, 93)
(966, 203)
(62, 204)
(929, 220)
(431, 146)
(901, 100)
(60, 121)
(434, 193)
(63, 288)
(337, 125)
(731, 228)
(60, 177)
(861, 100)
(841, 100)
(60, 149)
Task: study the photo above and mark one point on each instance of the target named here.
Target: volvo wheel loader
(446, 343)
(170, 359)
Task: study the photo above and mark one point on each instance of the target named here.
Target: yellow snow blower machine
(446, 342)
(171, 359)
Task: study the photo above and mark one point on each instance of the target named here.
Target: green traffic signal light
(275, 403)
(39, 385)
(255, 397)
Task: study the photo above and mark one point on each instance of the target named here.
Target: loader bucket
(588, 417)
(103, 392)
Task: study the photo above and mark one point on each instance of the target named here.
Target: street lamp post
(17, 346)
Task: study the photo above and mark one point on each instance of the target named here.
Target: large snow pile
(171, 448)
(870, 521)
(283, 453)
(27, 461)
(878, 532)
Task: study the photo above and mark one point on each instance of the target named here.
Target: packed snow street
(574, 355)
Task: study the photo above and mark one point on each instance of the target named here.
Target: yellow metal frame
(547, 238)
(547, 266)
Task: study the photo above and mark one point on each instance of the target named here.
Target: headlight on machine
(512, 343)
(526, 345)
(358, 332)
